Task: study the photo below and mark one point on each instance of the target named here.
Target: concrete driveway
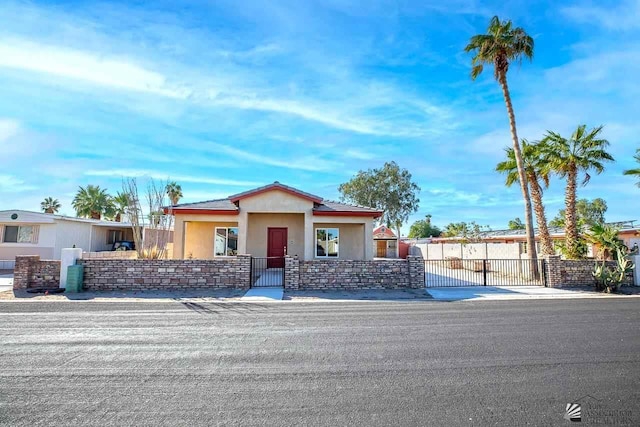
(6, 282)
(485, 293)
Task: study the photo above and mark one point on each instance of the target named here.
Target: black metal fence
(267, 272)
(484, 272)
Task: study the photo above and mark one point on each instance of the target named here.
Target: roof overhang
(201, 211)
(348, 213)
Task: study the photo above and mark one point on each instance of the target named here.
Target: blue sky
(223, 96)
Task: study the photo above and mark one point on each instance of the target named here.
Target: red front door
(276, 247)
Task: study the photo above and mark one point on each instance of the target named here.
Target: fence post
(484, 272)
(636, 269)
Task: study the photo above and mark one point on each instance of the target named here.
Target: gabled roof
(275, 186)
(383, 232)
(229, 205)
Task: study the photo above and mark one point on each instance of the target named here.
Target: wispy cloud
(621, 17)
(13, 184)
(8, 129)
(137, 173)
(307, 163)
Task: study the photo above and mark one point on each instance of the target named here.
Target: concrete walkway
(6, 282)
(263, 294)
(488, 293)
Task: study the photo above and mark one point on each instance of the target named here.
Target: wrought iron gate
(267, 272)
(454, 272)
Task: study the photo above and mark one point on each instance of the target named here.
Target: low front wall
(354, 275)
(31, 272)
(124, 274)
(110, 255)
(566, 273)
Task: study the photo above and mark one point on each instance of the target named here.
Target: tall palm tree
(582, 152)
(174, 191)
(501, 45)
(535, 172)
(92, 202)
(50, 205)
(635, 172)
(120, 205)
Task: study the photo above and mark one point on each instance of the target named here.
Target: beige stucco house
(43, 234)
(273, 221)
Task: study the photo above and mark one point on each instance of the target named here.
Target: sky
(224, 96)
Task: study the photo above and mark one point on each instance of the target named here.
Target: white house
(36, 233)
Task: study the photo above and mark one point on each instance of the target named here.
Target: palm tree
(605, 239)
(50, 205)
(502, 45)
(174, 191)
(92, 202)
(535, 172)
(582, 152)
(635, 172)
(120, 205)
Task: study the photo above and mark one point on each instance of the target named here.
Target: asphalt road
(373, 363)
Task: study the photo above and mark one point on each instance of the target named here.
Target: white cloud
(89, 67)
(308, 163)
(8, 129)
(12, 184)
(140, 173)
(625, 16)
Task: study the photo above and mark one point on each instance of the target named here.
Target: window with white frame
(20, 234)
(327, 242)
(114, 236)
(226, 241)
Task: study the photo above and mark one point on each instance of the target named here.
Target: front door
(276, 247)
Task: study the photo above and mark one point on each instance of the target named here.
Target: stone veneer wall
(127, 274)
(31, 272)
(110, 255)
(563, 273)
(352, 275)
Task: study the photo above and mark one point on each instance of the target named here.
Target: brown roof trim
(347, 213)
(202, 211)
(275, 186)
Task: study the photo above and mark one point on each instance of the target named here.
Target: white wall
(45, 247)
(70, 233)
(437, 251)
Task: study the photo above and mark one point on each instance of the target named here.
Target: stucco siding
(275, 201)
(257, 232)
(351, 240)
(199, 238)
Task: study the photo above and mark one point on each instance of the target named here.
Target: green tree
(516, 224)
(588, 212)
(388, 189)
(50, 205)
(121, 205)
(635, 172)
(605, 239)
(582, 152)
(174, 191)
(467, 232)
(537, 176)
(423, 228)
(502, 44)
(92, 202)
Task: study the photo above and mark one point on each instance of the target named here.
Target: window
(19, 234)
(226, 241)
(327, 242)
(114, 236)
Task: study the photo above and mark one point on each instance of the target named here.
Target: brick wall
(110, 255)
(563, 273)
(125, 274)
(31, 272)
(352, 275)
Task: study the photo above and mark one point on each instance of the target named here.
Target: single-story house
(273, 221)
(37, 233)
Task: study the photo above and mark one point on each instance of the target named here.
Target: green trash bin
(74, 278)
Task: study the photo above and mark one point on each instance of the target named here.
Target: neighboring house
(36, 233)
(629, 234)
(272, 221)
(386, 242)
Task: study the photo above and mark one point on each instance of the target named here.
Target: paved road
(372, 363)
